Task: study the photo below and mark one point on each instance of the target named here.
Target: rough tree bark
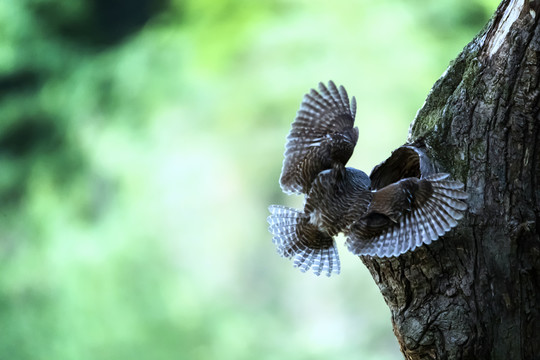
(475, 293)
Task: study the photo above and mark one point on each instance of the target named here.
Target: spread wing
(296, 238)
(432, 210)
(322, 133)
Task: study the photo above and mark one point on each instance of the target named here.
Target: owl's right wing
(322, 132)
(437, 213)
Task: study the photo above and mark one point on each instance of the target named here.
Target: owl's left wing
(295, 237)
(322, 133)
(435, 209)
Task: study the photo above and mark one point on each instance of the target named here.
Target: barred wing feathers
(423, 224)
(295, 238)
(321, 134)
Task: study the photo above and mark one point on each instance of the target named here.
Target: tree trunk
(475, 293)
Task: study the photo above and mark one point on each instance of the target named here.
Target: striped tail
(298, 239)
(425, 223)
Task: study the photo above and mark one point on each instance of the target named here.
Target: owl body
(338, 199)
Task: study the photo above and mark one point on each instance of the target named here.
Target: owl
(382, 222)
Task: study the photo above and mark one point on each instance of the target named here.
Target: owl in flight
(382, 222)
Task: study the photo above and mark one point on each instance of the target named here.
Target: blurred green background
(140, 145)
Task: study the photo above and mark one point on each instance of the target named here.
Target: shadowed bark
(475, 293)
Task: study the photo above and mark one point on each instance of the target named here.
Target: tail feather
(426, 223)
(296, 238)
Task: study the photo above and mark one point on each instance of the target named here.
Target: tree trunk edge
(475, 294)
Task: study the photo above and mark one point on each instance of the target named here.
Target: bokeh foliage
(140, 143)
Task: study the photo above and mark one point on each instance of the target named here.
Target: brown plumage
(382, 222)
(295, 237)
(337, 198)
(321, 136)
(307, 236)
(407, 214)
